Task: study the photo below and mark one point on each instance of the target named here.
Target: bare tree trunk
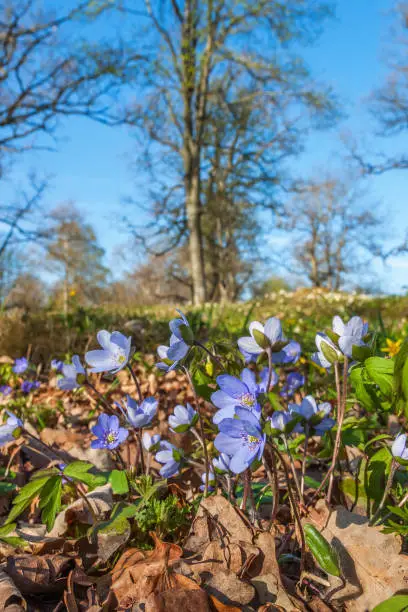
(193, 207)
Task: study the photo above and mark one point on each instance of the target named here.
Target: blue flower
(70, 373)
(222, 463)
(211, 481)
(350, 334)
(171, 457)
(114, 355)
(327, 351)
(151, 443)
(242, 439)
(183, 418)
(9, 430)
(294, 381)
(57, 365)
(279, 420)
(5, 390)
(399, 448)
(262, 337)
(248, 357)
(239, 392)
(140, 415)
(108, 432)
(312, 415)
(289, 354)
(20, 365)
(180, 341)
(27, 386)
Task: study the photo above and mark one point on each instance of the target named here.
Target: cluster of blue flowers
(241, 421)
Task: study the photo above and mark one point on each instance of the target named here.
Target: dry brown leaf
(177, 600)
(221, 607)
(138, 573)
(47, 574)
(10, 596)
(370, 560)
(229, 589)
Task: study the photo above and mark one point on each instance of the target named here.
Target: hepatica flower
(211, 481)
(242, 439)
(350, 334)
(222, 463)
(70, 374)
(312, 415)
(108, 432)
(171, 458)
(57, 365)
(289, 354)
(5, 390)
(151, 443)
(263, 337)
(113, 356)
(327, 352)
(140, 415)
(9, 431)
(20, 365)
(180, 341)
(27, 386)
(294, 381)
(239, 392)
(183, 418)
(399, 448)
(280, 419)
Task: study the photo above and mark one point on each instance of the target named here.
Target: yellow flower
(72, 293)
(393, 347)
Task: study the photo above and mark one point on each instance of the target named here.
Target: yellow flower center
(111, 437)
(121, 359)
(247, 400)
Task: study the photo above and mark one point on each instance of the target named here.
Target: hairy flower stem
(393, 469)
(197, 436)
(202, 434)
(270, 370)
(403, 501)
(45, 446)
(294, 508)
(135, 380)
(292, 466)
(340, 418)
(87, 502)
(305, 447)
(139, 439)
(100, 397)
(213, 357)
(273, 482)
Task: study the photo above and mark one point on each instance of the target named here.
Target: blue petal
(177, 351)
(273, 330)
(248, 378)
(222, 400)
(101, 361)
(248, 416)
(224, 413)
(104, 339)
(234, 428)
(225, 444)
(231, 385)
(240, 461)
(248, 345)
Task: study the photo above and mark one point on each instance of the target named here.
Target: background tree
(72, 252)
(191, 48)
(333, 234)
(53, 64)
(389, 103)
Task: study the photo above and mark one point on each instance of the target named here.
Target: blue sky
(92, 164)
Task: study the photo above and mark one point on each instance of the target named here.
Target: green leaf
(25, 497)
(353, 437)
(381, 371)
(124, 509)
(80, 470)
(361, 353)
(378, 469)
(119, 482)
(7, 487)
(376, 439)
(321, 550)
(311, 482)
(50, 501)
(397, 603)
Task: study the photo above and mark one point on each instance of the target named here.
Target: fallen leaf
(229, 589)
(369, 559)
(47, 574)
(10, 596)
(138, 574)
